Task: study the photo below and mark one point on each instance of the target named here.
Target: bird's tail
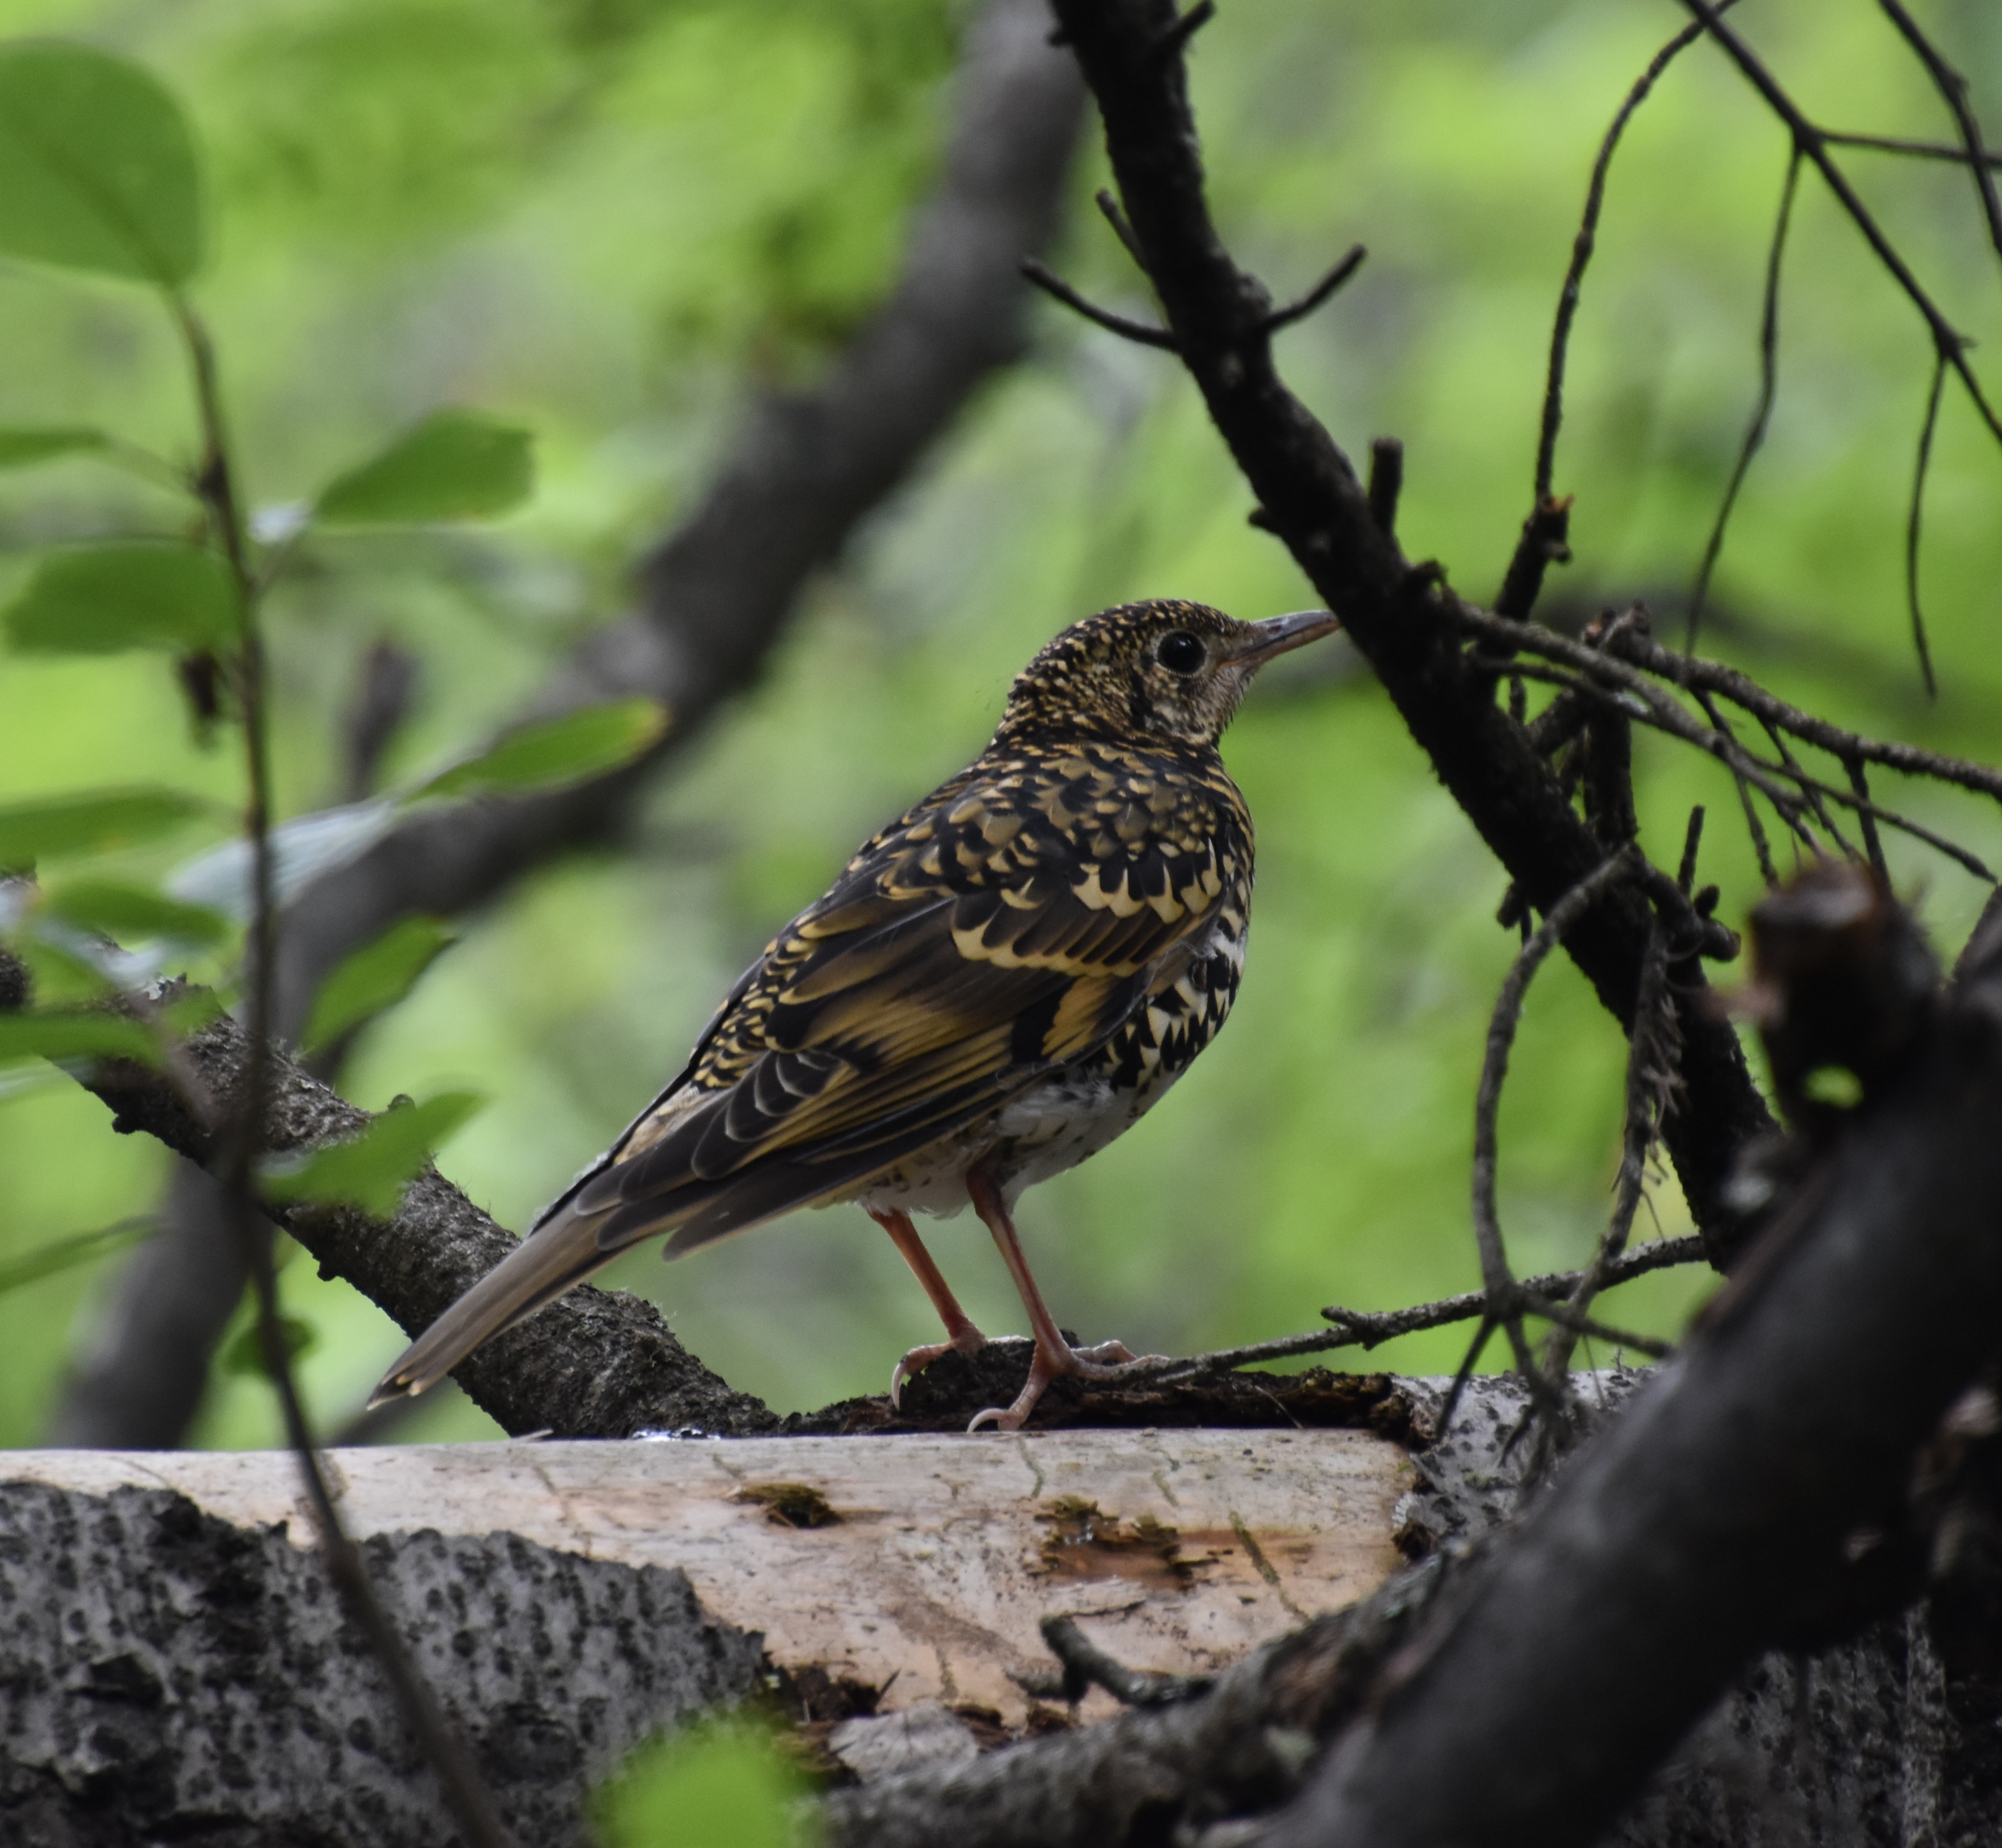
(557, 1255)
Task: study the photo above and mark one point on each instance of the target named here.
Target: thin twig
(1948, 342)
(1890, 144)
(1639, 657)
(1370, 1328)
(1122, 228)
(1645, 1108)
(1086, 1665)
(1047, 279)
(1952, 87)
(1504, 1305)
(1351, 261)
(1581, 255)
(1859, 781)
(1762, 411)
(1921, 470)
(241, 1136)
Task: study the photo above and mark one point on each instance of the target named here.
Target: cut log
(918, 1566)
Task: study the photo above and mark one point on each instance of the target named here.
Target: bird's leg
(961, 1335)
(1054, 1356)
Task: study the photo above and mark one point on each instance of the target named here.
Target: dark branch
(1300, 310)
(1762, 410)
(1402, 619)
(1920, 470)
(1952, 87)
(594, 1363)
(1582, 248)
(1948, 342)
(1052, 284)
(1799, 1404)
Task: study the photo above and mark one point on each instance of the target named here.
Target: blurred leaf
(92, 822)
(554, 752)
(132, 913)
(375, 977)
(457, 464)
(78, 1248)
(20, 448)
(301, 849)
(715, 1787)
(190, 1012)
(100, 599)
(97, 165)
(243, 1353)
(83, 1034)
(371, 1171)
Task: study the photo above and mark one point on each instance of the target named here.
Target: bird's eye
(1180, 652)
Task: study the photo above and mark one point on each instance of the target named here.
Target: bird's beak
(1276, 635)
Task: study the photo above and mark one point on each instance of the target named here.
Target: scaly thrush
(999, 983)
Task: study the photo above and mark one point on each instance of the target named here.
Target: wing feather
(895, 1011)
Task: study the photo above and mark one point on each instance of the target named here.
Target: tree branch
(1401, 618)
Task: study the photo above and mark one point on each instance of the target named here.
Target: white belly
(1060, 1123)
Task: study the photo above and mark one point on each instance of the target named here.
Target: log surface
(919, 1565)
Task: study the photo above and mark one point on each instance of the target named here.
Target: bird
(999, 982)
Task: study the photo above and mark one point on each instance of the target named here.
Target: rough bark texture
(167, 1676)
(1401, 616)
(805, 470)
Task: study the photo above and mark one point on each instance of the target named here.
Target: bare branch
(1051, 284)
(1298, 310)
(1762, 412)
(1948, 342)
(1400, 617)
(1952, 87)
(1920, 470)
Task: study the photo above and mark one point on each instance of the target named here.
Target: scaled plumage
(999, 982)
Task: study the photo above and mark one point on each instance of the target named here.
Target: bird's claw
(969, 1341)
(1108, 1360)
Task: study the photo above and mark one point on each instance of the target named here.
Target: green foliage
(142, 593)
(128, 913)
(371, 1171)
(551, 752)
(718, 1786)
(74, 1034)
(242, 1353)
(21, 447)
(377, 976)
(456, 465)
(93, 822)
(59, 1255)
(97, 166)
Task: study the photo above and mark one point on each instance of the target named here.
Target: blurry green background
(612, 219)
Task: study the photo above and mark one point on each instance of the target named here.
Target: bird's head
(1163, 672)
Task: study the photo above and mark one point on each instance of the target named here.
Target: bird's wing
(1008, 926)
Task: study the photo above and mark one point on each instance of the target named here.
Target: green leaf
(86, 1033)
(92, 822)
(456, 465)
(371, 1171)
(132, 913)
(375, 977)
(243, 1353)
(718, 1786)
(21, 447)
(78, 1248)
(144, 593)
(97, 165)
(554, 752)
